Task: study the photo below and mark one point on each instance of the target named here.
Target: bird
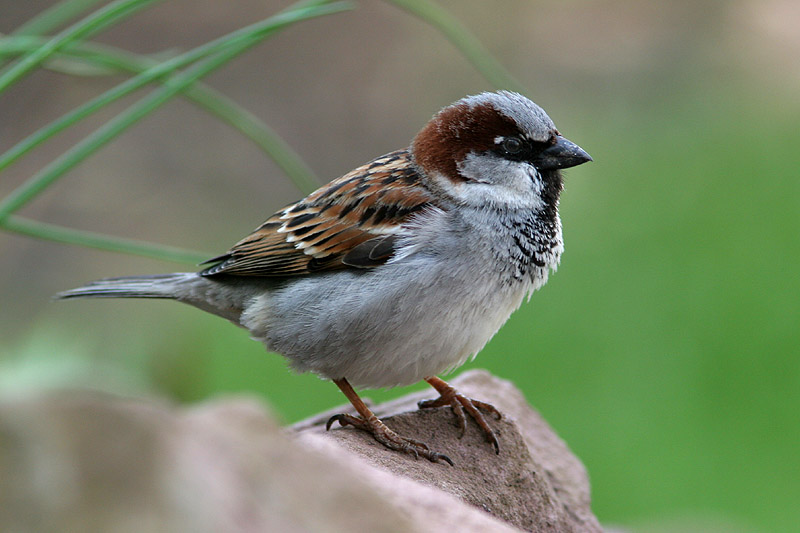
(401, 269)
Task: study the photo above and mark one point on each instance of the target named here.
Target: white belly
(388, 327)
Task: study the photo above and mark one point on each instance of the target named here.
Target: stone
(536, 483)
(87, 461)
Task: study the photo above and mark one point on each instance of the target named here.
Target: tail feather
(158, 286)
(222, 296)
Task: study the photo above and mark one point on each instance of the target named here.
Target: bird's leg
(367, 421)
(449, 396)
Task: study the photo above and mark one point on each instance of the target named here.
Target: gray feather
(159, 286)
(225, 296)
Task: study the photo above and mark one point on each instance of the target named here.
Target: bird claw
(381, 433)
(459, 404)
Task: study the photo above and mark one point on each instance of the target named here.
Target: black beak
(563, 154)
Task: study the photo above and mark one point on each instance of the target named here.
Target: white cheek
(500, 182)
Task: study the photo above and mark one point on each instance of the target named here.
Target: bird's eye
(512, 145)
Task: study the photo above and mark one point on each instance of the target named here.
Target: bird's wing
(351, 222)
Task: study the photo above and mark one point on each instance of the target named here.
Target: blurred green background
(665, 351)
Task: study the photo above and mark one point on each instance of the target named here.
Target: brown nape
(454, 132)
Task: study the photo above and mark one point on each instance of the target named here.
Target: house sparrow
(401, 269)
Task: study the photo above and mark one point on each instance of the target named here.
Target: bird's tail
(158, 286)
(219, 295)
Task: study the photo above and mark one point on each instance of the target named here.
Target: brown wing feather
(336, 221)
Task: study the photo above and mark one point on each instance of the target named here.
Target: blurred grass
(199, 62)
(108, 60)
(104, 17)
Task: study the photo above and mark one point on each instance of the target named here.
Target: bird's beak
(563, 154)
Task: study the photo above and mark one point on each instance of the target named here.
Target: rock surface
(84, 461)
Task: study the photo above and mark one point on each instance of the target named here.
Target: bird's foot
(459, 404)
(381, 433)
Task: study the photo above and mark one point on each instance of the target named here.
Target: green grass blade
(306, 10)
(464, 40)
(173, 86)
(97, 21)
(55, 16)
(219, 105)
(105, 59)
(52, 232)
(261, 134)
(51, 18)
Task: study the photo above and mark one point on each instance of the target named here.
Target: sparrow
(401, 269)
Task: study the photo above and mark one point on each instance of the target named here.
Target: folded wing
(352, 222)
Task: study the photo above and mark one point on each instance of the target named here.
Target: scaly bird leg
(449, 396)
(367, 421)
